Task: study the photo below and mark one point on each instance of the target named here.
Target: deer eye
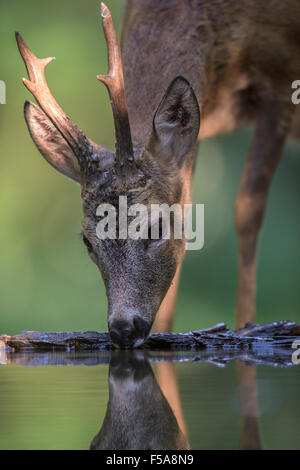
(87, 243)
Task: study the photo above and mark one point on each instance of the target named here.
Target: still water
(135, 401)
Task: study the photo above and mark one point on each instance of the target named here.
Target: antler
(114, 82)
(37, 85)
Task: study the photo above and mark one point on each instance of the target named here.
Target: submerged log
(269, 344)
(279, 334)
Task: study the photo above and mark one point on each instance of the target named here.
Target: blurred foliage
(47, 280)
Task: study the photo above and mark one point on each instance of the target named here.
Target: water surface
(125, 404)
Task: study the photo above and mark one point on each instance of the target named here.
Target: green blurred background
(47, 281)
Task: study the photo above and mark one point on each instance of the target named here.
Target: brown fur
(231, 52)
(233, 59)
(241, 58)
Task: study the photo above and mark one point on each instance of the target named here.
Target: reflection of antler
(250, 434)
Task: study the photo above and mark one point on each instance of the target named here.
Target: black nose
(129, 334)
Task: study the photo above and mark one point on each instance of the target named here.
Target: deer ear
(176, 123)
(50, 142)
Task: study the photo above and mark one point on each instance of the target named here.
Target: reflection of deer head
(138, 416)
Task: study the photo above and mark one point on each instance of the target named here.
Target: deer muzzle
(129, 333)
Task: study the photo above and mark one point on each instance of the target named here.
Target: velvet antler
(114, 82)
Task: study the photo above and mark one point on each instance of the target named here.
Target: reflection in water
(138, 415)
(142, 414)
(41, 407)
(167, 379)
(249, 412)
(3, 357)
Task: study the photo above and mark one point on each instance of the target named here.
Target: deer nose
(129, 334)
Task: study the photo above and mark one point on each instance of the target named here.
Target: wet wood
(279, 335)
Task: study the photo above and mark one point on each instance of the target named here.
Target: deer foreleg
(165, 315)
(264, 154)
(166, 373)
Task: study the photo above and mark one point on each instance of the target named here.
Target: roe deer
(228, 60)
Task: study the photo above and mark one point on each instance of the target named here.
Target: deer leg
(166, 373)
(264, 154)
(165, 315)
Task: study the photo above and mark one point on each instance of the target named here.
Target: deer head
(136, 273)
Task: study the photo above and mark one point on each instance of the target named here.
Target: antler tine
(114, 82)
(37, 85)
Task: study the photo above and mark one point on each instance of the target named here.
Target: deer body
(230, 52)
(221, 61)
(240, 58)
